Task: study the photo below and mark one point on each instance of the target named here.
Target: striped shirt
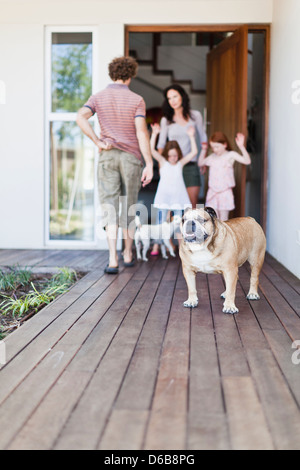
(117, 107)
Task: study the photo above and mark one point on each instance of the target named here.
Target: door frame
(204, 28)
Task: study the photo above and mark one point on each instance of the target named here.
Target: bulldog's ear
(211, 212)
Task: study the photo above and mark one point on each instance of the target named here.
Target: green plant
(39, 296)
(15, 307)
(64, 276)
(16, 276)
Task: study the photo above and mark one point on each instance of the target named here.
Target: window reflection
(71, 183)
(71, 74)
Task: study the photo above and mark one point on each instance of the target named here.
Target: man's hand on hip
(147, 175)
(103, 145)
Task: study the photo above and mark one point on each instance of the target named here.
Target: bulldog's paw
(253, 296)
(145, 259)
(230, 309)
(191, 303)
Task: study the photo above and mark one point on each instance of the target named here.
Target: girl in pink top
(221, 172)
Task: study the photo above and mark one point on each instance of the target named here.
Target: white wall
(22, 29)
(22, 136)
(136, 11)
(284, 157)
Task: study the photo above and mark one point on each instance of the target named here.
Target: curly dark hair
(168, 112)
(122, 68)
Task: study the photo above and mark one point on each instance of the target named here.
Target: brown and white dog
(211, 246)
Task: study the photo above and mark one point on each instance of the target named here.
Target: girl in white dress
(171, 194)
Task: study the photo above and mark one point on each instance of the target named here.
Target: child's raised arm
(155, 131)
(245, 157)
(202, 160)
(194, 149)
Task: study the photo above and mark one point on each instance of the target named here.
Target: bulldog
(211, 246)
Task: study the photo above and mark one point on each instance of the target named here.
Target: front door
(227, 99)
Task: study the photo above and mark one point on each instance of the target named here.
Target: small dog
(212, 246)
(145, 233)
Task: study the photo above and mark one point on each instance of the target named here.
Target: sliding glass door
(71, 156)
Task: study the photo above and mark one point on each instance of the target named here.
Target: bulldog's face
(197, 225)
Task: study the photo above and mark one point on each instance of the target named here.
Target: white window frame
(50, 117)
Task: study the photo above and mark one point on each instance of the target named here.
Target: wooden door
(227, 99)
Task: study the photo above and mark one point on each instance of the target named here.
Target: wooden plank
(64, 394)
(139, 382)
(282, 272)
(250, 331)
(14, 412)
(207, 421)
(279, 406)
(4, 254)
(263, 311)
(278, 341)
(20, 338)
(56, 258)
(286, 290)
(107, 366)
(283, 310)
(31, 257)
(167, 423)
(100, 256)
(126, 428)
(86, 423)
(247, 423)
(12, 257)
(77, 258)
(22, 364)
(230, 349)
(86, 259)
(138, 385)
(281, 346)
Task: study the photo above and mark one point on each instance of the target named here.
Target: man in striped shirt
(124, 140)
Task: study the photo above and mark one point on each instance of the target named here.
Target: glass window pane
(71, 183)
(71, 70)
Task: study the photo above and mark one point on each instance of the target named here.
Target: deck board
(118, 363)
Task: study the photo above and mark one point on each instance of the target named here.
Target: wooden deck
(119, 363)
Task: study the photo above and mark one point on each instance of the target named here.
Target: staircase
(163, 65)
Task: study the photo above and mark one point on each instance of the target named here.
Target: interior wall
(284, 162)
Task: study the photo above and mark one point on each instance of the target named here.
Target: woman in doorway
(177, 118)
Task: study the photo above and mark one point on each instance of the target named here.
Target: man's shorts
(119, 181)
